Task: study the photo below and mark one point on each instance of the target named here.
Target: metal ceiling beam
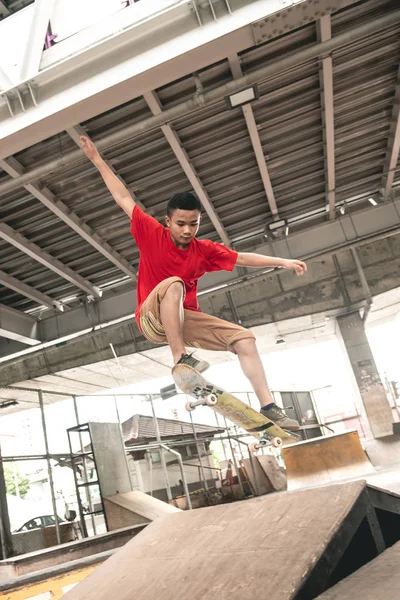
(36, 38)
(236, 68)
(18, 326)
(325, 239)
(197, 103)
(80, 317)
(26, 290)
(91, 79)
(324, 31)
(46, 197)
(4, 10)
(190, 172)
(393, 147)
(101, 67)
(19, 241)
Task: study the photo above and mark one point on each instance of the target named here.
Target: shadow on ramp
(378, 579)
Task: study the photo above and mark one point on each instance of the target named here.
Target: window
(48, 520)
(155, 456)
(190, 451)
(194, 452)
(32, 524)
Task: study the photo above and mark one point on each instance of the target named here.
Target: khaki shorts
(199, 330)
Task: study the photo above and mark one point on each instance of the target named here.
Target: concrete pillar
(372, 392)
(6, 546)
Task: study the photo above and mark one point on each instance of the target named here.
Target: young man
(171, 262)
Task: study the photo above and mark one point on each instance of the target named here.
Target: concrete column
(6, 546)
(372, 392)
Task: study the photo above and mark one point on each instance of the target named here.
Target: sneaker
(189, 359)
(278, 416)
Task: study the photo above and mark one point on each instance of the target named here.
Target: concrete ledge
(18, 583)
(27, 564)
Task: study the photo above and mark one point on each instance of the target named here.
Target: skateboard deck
(192, 383)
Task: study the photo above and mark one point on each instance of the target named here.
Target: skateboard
(192, 383)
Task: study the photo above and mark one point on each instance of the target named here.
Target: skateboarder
(172, 260)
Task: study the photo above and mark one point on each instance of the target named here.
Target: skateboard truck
(275, 442)
(208, 400)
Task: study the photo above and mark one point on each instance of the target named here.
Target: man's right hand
(89, 148)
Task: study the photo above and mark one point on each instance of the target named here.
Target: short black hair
(184, 201)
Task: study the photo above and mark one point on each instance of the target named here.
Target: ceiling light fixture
(168, 392)
(277, 224)
(8, 403)
(243, 97)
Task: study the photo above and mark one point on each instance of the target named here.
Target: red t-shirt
(160, 258)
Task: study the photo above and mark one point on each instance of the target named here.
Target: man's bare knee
(174, 291)
(245, 346)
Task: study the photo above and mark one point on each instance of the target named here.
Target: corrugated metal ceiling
(289, 119)
(10, 7)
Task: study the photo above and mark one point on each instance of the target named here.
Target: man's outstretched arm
(248, 259)
(118, 190)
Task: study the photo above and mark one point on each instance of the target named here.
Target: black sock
(268, 406)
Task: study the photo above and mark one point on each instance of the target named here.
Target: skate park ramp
(288, 545)
(134, 508)
(379, 579)
(325, 460)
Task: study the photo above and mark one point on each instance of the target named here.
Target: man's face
(183, 226)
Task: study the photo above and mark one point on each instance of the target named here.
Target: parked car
(38, 522)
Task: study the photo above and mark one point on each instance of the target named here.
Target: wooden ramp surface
(134, 508)
(273, 471)
(325, 460)
(377, 580)
(142, 504)
(268, 545)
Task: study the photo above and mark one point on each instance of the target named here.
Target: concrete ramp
(379, 579)
(286, 546)
(325, 460)
(134, 508)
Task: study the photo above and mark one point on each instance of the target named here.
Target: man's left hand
(296, 265)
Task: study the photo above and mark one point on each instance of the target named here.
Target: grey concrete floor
(387, 478)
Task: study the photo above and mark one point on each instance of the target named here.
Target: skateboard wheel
(211, 400)
(189, 406)
(276, 442)
(253, 448)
